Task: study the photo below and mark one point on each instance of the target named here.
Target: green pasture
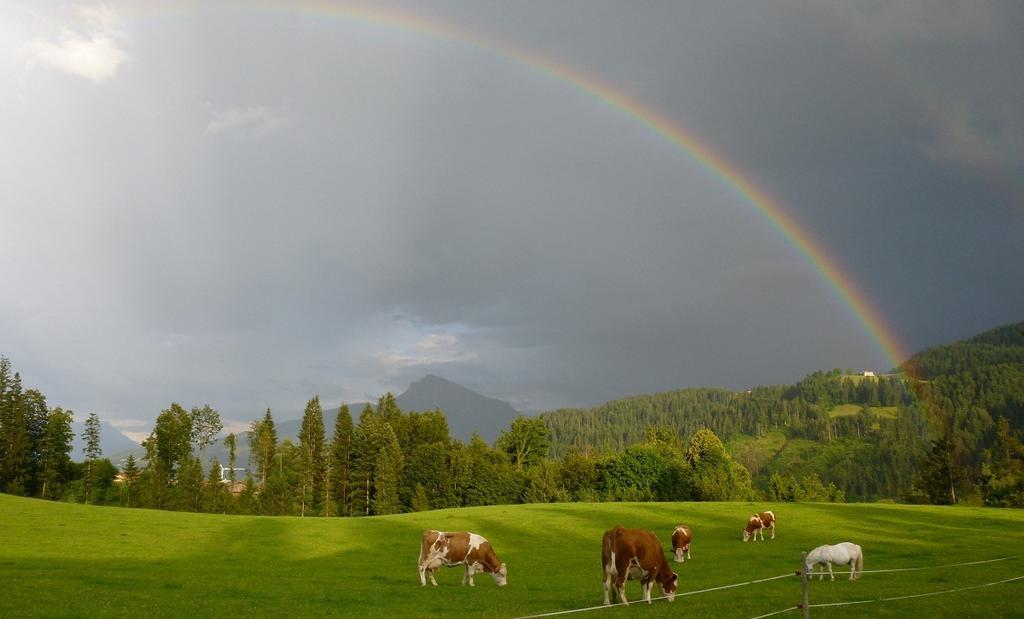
(756, 453)
(73, 560)
(851, 410)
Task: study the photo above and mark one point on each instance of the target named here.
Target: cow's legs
(830, 574)
(773, 530)
(432, 579)
(469, 575)
(620, 586)
(687, 552)
(621, 575)
(607, 587)
(648, 585)
(423, 575)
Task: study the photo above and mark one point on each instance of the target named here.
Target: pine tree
(385, 483)
(37, 416)
(314, 466)
(939, 475)
(341, 445)
(131, 475)
(420, 502)
(55, 452)
(16, 449)
(263, 446)
(387, 407)
(92, 451)
(367, 439)
(190, 484)
(215, 495)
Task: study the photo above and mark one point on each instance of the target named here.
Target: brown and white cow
(758, 523)
(635, 554)
(682, 536)
(459, 548)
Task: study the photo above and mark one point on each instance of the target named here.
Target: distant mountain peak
(434, 378)
(467, 411)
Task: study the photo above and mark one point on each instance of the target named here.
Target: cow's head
(746, 535)
(501, 576)
(669, 587)
(679, 555)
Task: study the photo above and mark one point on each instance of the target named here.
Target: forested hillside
(873, 436)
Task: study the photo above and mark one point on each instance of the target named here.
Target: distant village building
(868, 374)
(237, 486)
(225, 474)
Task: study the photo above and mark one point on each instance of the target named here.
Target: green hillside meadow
(63, 559)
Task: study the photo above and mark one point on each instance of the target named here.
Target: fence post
(804, 580)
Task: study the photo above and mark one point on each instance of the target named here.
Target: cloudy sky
(249, 206)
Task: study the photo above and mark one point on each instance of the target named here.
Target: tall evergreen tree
(314, 465)
(385, 482)
(190, 485)
(341, 446)
(263, 446)
(131, 475)
(36, 418)
(17, 446)
(92, 451)
(215, 495)
(155, 478)
(5, 420)
(369, 436)
(940, 473)
(55, 451)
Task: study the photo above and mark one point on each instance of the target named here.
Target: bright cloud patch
(433, 349)
(251, 121)
(90, 48)
(128, 424)
(138, 437)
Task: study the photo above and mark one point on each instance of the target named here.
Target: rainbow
(841, 283)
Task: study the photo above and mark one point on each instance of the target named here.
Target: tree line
(945, 428)
(36, 444)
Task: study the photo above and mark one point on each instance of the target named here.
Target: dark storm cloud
(247, 210)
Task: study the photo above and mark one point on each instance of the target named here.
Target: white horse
(840, 554)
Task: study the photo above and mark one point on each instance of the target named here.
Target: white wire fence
(799, 574)
(805, 606)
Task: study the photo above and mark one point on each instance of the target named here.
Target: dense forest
(958, 408)
(945, 428)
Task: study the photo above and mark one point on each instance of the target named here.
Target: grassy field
(850, 410)
(73, 560)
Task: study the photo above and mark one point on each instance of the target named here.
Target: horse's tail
(860, 561)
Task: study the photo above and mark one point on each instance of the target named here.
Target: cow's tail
(860, 562)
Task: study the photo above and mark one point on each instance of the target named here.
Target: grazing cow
(439, 548)
(840, 554)
(758, 523)
(681, 538)
(635, 554)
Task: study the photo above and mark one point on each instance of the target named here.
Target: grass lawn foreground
(73, 560)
